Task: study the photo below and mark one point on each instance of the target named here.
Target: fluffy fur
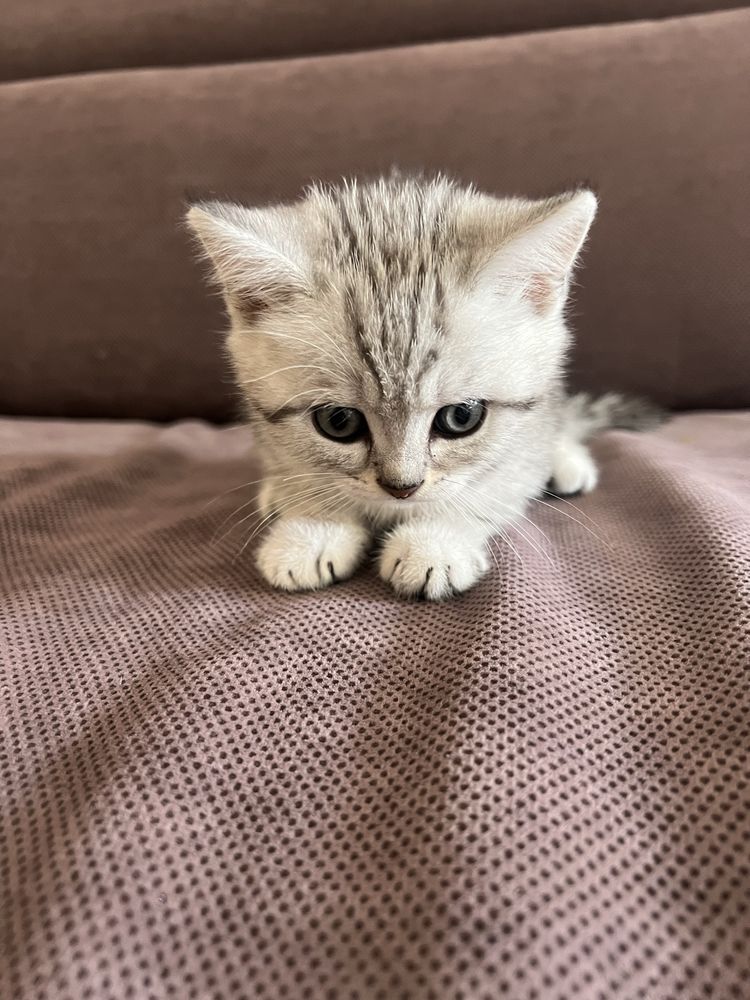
(396, 299)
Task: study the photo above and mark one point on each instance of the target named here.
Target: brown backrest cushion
(102, 308)
(45, 37)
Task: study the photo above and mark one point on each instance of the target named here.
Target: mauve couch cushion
(71, 36)
(208, 789)
(102, 309)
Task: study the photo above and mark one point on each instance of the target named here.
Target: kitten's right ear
(254, 253)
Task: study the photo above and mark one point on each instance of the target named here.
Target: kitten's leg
(573, 469)
(434, 559)
(306, 553)
(306, 548)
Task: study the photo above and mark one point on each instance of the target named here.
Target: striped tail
(586, 415)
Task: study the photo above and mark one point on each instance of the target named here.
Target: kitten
(400, 348)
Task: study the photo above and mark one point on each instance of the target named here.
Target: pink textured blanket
(210, 790)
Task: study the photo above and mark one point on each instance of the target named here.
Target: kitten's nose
(398, 490)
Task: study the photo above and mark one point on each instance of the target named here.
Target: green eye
(459, 418)
(339, 423)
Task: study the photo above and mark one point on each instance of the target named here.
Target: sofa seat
(212, 790)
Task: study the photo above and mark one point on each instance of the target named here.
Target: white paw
(432, 561)
(304, 554)
(574, 470)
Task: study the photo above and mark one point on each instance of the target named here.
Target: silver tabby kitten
(400, 348)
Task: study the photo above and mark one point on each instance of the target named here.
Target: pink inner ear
(540, 290)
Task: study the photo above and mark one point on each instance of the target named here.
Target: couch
(536, 791)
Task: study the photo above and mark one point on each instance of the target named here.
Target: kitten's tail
(585, 415)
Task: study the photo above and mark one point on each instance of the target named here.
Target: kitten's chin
(388, 509)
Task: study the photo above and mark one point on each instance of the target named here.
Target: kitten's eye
(459, 418)
(340, 423)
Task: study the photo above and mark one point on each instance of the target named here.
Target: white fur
(396, 299)
(433, 558)
(307, 554)
(574, 469)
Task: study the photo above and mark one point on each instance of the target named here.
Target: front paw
(304, 554)
(432, 560)
(574, 470)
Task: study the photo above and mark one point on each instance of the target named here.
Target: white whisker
(489, 503)
(511, 546)
(255, 498)
(585, 527)
(569, 504)
(338, 348)
(320, 393)
(462, 513)
(323, 508)
(254, 482)
(337, 358)
(279, 507)
(278, 371)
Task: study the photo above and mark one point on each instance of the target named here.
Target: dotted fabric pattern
(537, 791)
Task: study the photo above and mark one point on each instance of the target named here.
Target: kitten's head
(402, 336)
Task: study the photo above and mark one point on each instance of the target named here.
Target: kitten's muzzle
(399, 490)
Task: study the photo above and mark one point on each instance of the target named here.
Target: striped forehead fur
(393, 248)
(392, 253)
(390, 295)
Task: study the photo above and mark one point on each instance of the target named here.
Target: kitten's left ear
(539, 260)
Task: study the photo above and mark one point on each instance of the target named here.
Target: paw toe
(430, 568)
(308, 555)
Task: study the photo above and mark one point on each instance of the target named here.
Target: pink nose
(398, 490)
